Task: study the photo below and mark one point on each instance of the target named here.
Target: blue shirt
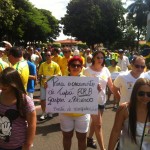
(31, 82)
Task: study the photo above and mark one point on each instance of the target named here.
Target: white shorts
(79, 124)
(42, 93)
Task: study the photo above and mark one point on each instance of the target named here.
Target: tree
(93, 21)
(29, 23)
(7, 16)
(137, 14)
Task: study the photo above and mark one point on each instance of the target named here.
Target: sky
(57, 7)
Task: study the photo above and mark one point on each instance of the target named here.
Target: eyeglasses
(142, 93)
(48, 55)
(100, 57)
(139, 66)
(75, 65)
(66, 51)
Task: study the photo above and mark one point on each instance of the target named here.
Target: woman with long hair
(17, 113)
(132, 121)
(98, 69)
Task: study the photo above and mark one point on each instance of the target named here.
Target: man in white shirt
(124, 83)
(123, 61)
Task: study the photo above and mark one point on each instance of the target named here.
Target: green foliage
(27, 23)
(82, 45)
(7, 16)
(94, 21)
(137, 14)
(58, 45)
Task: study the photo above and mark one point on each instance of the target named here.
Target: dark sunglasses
(66, 51)
(76, 65)
(142, 93)
(100, 57)
(139, 66)
(48, 55)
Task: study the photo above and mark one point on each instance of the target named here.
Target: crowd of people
(22, 68)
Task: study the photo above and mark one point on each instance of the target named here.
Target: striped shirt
(13, 128)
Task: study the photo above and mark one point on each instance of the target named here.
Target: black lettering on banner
(55, 100)
(65, 92)
(78, 99)
(50, 92)
(59, 109)
(84, 92)
(56, 82)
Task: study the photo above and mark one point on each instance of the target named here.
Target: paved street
(49, 137)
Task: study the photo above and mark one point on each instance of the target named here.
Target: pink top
(13, 128)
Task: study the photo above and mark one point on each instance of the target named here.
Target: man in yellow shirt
(47, 69)
(64, 60)
(56, 57)
(3, 64)
(15, 57)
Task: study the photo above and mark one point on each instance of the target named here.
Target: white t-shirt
(123, 63)
(103, 76)
(34, 59)
(147, 75)
(125, 82)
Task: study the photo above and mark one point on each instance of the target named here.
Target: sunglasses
(76, 65)
(100, 57)
(48, 55)
(66, 51)
(139, 66)
(142, 93)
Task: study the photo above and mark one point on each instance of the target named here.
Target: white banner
(69, 94)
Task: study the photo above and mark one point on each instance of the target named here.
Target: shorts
(42, 93)
(79, 124)
(101, 107)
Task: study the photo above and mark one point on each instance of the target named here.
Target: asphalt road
(49, 136)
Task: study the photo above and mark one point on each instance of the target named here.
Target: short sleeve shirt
(49, 70)
(13, 127)
(23, 69)
(103, 76)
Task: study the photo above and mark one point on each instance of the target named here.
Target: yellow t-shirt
(114, 69)
(64, 66)
(3, 65)
(23, 69)
(5, 59)
(57, 59)
(48, 70)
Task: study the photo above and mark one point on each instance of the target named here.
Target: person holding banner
(73, 121)
(98, 69)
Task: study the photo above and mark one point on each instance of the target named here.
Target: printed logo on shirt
(6, 124)
(130, 85)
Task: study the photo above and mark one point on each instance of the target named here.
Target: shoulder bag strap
(143, 132)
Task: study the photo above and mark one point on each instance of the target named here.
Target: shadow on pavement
(46, 129)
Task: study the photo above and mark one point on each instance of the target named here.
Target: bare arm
(117, 127)
(33, 77)
(110, 84)
(116, 93)
(31, 120)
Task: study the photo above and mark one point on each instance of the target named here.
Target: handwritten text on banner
(72, 95)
